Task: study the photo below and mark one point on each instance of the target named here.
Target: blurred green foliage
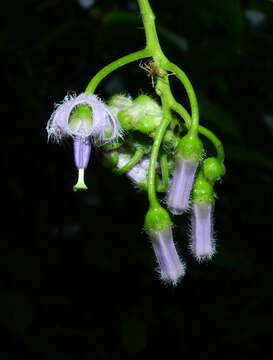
(77, 278)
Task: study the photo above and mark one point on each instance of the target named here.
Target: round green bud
(110, 159)
(147, 124)
(150, 105)
(213, 169)
(157, 218)
(190, 147)
(202, 190)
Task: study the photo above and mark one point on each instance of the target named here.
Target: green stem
(164, 172)
(192, 97)
(141, 54)
(148, 19)
(161, 86)
(215, 141)
(201, 129)
(135, 159)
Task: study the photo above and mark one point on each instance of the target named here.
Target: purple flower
(203, 244)
(171, 268)
(86, 119)
(181, 184)
(91, 118)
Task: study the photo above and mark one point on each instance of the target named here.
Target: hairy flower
(86, 119)
(83, 115)
(181, 185)
(203, 244)
(171, 268)
(188, 156)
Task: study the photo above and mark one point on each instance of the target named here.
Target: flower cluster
(190, 179)
(157, 146)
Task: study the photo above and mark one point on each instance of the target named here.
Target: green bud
(150, 105)
(147, 124)
(190, 147)
(157, 218)
(110, 159)
(120, 101)
(213, 169)
(202, 190)
(129, 116)
(80, 114)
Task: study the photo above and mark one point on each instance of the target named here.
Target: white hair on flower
(103, 121)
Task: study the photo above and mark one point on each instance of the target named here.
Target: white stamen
(80, 183)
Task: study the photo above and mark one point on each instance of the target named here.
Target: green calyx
(80, 116)
(190, 147)
(202, 190)
(157, 218)
(213, 169)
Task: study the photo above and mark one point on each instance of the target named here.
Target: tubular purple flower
(181, 185)
(170, 266)
(189, 153)
(82, 151)
(159, 228)
(203, 244)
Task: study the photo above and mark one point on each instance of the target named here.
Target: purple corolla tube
(181, 185)
(171, 268)
(82, 151)
(203, 244)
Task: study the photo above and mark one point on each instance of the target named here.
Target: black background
(76, 269)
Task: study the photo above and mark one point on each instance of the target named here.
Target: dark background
(76, 270)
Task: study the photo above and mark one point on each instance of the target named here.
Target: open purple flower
(86, 119)
(203, 244)
(181, 184)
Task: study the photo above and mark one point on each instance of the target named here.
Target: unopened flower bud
(213, 169)
(203, 244)
(119, 102)
(188, 156)
(159, 228)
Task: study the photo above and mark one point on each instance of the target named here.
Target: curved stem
(215, 141)
(202, 130)
(179, 109)
(141, 54)
(135, 159)
(162, 83)
(189, 89)
(164, 172)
